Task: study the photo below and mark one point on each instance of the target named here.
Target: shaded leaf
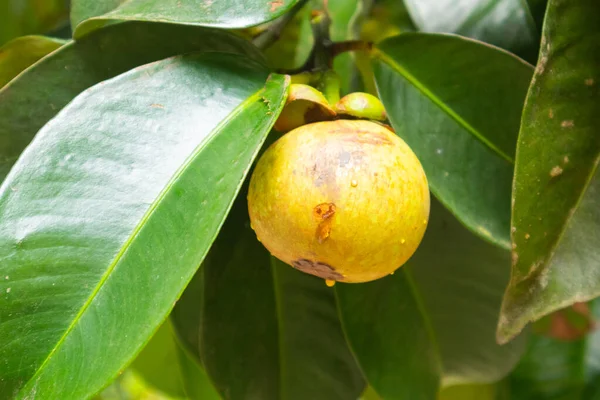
(279, 325)
(131, 386)
(347, 17)
(89, 15)
(489, 391)
(20, 53)
(158, 363)
(505, 23)
(166, 366)
(293, 47)
(433, 321)
(554, 369)
(369, 394)
(197, 385)
(538, 10)
(26, 17)
(29, 101)
(386, 18)
(108, 213)
(556, 190)
(458, 105)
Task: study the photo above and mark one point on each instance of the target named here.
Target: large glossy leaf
(89, 15)
(433, 321)
(20, 53)
(556, 191)
(25, 17)
(263, 329)
(505, 23)
(458, 105)
(29, 101)
(108, 213)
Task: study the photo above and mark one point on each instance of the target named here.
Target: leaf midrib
(377, 53)
(155, 204)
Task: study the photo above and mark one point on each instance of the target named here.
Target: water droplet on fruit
(329, 282)
(402, 241)
(392, 273)
(354, 183)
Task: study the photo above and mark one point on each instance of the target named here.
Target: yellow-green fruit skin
(345, 200)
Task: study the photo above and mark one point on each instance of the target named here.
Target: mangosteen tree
(297, 199)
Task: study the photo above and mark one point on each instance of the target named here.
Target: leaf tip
(508, 328)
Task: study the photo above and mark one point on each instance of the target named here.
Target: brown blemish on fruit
(324, 213)
(317, 268)
(589, 82)
(362, 137)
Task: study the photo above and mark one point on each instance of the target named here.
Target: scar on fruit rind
(324, 213)
(317, 268)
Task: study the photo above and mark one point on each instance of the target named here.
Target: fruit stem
(337, 48)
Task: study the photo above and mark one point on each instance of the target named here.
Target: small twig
(337, 48)
(273, 33)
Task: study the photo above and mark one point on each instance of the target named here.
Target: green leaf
(26, 17)
(556, 190)
(557, 369)
(89, 15)
(131, 386)
(505, 23)
(196, 383)
(164, 365)
(293, 47)
(20, 53)
(387, 18)
(379, 21)
(347, 17)
(538, 10)
(489, 391)
(458, 105)
(108, 213)
(29, 101)
(158, 362)
(263, 329)
(433, 321)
